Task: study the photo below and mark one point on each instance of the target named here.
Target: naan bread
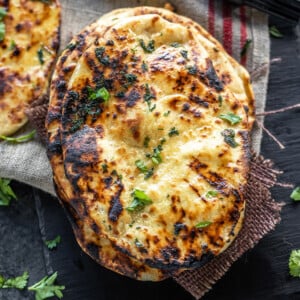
(27, 53)
(154, 175)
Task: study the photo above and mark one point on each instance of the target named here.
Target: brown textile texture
(261, 215)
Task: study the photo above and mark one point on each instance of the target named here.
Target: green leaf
(184, 54)
(229, 135)
(19, 282)
(140, 200)
(3, 13)
(12, 45)
(211, 194)
(20, 139)
(275, 32)
(220, 99)
(147, 48)
(173, 131)
(146, 141)
(245, 47)
(231, 118)
(203, 224)
(46, 288)
(40, 54)
(2, 31)
(51, 244)
(6, 192)
(148, 96)
(100, 93)
(295, 195)
(294, 263)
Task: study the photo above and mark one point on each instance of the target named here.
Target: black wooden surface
(261, 273)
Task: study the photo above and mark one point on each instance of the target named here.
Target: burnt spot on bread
(116, 206)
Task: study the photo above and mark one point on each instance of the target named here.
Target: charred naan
(27, 52)
(149, 123)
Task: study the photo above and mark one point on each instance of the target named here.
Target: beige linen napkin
(232, 27)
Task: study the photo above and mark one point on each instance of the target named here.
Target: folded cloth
(233, 27)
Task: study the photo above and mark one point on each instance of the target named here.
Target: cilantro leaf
(203, 224)
(100, 93)
(173, 131)
(46, 288)
(295, 195)
(147, 48)
(6, 192)
(19, 282)
(20, 139)
(274, 32)
(140, 200)
(3, 13)
(2, 31)
(40, 54)
(231, 118)
(211, 194)
(229, 135)
(294, 263)
(51, 244)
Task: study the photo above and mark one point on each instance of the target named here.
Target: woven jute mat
(232, 26)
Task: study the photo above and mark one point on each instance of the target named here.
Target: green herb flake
(3, 13)
(156, 157)
(148, 96)
(20, 139)
(173, 131)
(2, 31)
(138, 243)
(146, 141)
(229, 135)
(147, 48)
(71, 46)
(220, 100)
(231, 118)
(51, 244)
(6, 192)
(141, 166)
(245, 47)
(131, 78)
(12, 45)
(211, 194)
(139, 201)
(192, 70)
(203, 224)
(19, 282)
(167, 113)
(144, 67)
(175, 44)
(294, 263)
(40, 54)
(295, 195)
(104, 168)
(184, 54)
(274, 32)
(46, 288)
(101, 93)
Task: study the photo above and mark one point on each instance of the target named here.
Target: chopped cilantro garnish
(167, 113)
(146, 141)
(156, 157)
(175, 44)
(147, 48)
(40, 54)
(131, 78)
(173, 131)
(3, 13)
(220, 99)
(275, 32)
(6, 192)
(19, 282)
(229, 135)
(2, 31)
(100, 93)
(141, 166)
(231, 118)
(104, 168)
(184, 54)
(192, 70)
(245, 47)
(294, 263)
(295, 195)
(144, 66)
(211, 194)
(53, 243)
(71, 46)
(203, 224)
(139, 201)
(20, 139)
(148, 96)
(46, 288)
(12, 45)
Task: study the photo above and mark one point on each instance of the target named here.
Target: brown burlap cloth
(262, 212)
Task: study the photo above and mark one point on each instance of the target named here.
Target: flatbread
(156, 171)
(27, 54)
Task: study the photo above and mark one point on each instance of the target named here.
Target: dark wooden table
(261, 273)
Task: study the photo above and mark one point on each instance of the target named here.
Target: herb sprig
(20, 139)
(139, 201)
(18, 282)
(6, 192)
